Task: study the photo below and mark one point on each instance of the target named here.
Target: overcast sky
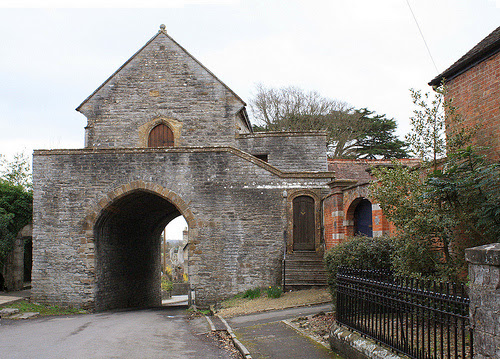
(365, 52)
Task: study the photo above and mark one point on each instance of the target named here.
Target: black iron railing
(419, 318)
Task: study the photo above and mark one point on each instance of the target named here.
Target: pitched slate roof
(489, 46)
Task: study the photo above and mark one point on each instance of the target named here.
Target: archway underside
(127, 248)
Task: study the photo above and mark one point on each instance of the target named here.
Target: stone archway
(126, 237)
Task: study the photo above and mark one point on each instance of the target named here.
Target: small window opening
(262, 157)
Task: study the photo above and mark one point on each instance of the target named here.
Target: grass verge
(25, 306)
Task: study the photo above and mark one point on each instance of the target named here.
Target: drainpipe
(322, 233)
(164, 254)
(284, 261)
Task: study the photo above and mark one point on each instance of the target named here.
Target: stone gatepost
(484, 275)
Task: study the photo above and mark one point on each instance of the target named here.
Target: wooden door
(161, 136)
(303, 224)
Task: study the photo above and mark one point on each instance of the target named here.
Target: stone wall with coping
(234, 205)
(288, 151)
(484, 276)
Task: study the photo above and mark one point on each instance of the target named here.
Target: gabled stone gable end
(249, 199)
(163, 83)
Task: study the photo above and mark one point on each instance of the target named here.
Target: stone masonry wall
(476, 94)
(161, 81)
(99, 211)
(288, 151)
(484, 294)
(233, 203)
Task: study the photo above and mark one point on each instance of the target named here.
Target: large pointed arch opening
(128, 260)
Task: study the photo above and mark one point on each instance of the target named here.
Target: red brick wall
(338, 215)
(328, 205)
(333, 219)
(476, 94)
(380, 223)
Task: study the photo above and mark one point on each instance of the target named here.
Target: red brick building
(473, 82)
(349, 209)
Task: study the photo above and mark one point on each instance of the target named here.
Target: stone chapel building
(166, 138)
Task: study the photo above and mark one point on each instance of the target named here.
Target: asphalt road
(155, 333)
(152, 333)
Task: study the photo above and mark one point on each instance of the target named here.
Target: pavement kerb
(244, 351)
(212, 326)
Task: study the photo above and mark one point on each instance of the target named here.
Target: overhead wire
(422, 35)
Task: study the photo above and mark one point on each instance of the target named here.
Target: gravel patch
(316, 326)
(224, 341)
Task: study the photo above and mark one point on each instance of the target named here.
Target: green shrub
(16, 211)
(359, 252)
(166, 284)
(274, 292)
(252, 293)
(417, 257)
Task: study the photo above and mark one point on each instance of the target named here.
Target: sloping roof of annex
(486, 48)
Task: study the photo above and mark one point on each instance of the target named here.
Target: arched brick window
(161, 136)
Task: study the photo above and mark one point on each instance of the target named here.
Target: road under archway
(127, 250)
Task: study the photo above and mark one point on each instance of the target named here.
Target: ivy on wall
(16, 201)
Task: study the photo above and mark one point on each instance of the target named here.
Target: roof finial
(163, 27)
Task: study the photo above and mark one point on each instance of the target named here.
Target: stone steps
(304, 269)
